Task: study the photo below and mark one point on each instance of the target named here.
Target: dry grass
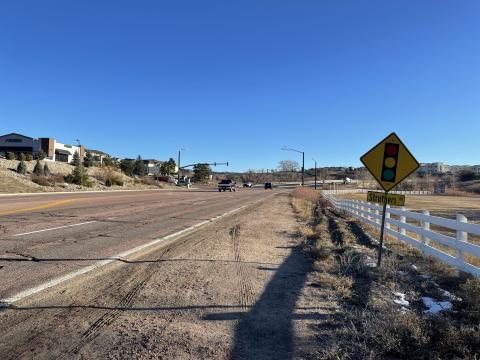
(371, 325)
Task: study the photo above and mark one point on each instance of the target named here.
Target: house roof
(23, 136)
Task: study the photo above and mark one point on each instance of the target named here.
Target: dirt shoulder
(240, 288)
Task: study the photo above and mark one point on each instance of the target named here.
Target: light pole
(315, 173)
(303, 162)
(178, 164)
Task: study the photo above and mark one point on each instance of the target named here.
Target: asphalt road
(44, 237)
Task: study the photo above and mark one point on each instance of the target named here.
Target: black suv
(268, 186)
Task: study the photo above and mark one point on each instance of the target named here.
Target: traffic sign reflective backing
(390, 162)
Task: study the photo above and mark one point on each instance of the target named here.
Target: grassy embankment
(384, 311)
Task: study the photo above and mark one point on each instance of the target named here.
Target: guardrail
(406, 225)
(364, 191)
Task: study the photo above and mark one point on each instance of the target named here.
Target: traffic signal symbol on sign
(390, 162)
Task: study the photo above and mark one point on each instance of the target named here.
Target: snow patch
(449, 295)
(400, 299)
(434, 307)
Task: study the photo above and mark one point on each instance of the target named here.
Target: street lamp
(178, 164)
(315, 173)
(303, 162)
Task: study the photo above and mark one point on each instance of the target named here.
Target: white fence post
(426, 227)
(461, 236)
(403, 220)
(387, 216)
(377, 212)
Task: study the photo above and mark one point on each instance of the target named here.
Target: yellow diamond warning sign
(390, 162)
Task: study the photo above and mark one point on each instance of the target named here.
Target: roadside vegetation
(410, 308)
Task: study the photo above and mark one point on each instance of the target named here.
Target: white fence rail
(406, 224)
(351, 191)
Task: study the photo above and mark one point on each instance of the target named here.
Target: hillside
(12, 182)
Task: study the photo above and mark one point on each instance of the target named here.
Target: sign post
(389, 162)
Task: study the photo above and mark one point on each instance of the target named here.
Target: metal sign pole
(380, 245)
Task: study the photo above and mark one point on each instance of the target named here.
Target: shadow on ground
(266, 331)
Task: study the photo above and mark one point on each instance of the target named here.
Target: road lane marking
(110, 259)
(38, 207)
(55, 228)
(199, 202)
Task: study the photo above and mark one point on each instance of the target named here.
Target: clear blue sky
(236, 80)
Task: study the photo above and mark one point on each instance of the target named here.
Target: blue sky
(236, 80)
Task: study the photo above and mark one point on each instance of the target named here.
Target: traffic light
(390, 159)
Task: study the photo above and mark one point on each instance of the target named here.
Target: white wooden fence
(350, 191)
(408, 221)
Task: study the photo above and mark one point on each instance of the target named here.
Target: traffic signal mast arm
(213, 164)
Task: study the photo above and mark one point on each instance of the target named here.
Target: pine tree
(88, 161)
(22, 157)
(139, 167)
(22, 168)
(127, 165)
(41, 155)
(76, 159)
(38, 169)
(201, 172)
(29, 157)
(80, 176)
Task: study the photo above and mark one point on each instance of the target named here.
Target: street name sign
(390, 162)
(385, 198)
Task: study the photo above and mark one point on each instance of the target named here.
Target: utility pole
(303, 162)
(303, 168)
(315, 173)
(178, 165)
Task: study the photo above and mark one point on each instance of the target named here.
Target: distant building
(434, 168)
(54, 150)
(98, 156)
(152, 166)
(475, 169)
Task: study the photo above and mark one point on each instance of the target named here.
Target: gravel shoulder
(239, 288)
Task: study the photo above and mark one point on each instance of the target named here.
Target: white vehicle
(347, 180)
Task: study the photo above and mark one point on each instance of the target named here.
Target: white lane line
(55, 228)
(110, 259)
(112, 218)
(199, 202)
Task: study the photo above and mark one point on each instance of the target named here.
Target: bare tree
(288, 165)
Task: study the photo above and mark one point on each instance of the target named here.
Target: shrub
(108, 161)
(46, 170)
(38, 169)
(126, 165)
(22, 168)
(41, 180)
(29, 157)
(147, 180)
(21, 157)
(41, 155)
(10, 156)
(112, 178)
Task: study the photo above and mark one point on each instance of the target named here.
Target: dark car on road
(268, 186)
